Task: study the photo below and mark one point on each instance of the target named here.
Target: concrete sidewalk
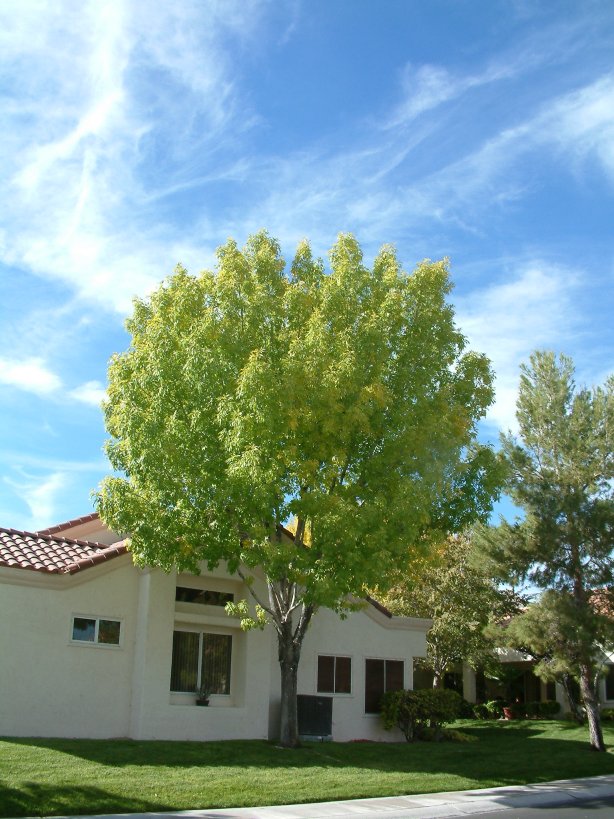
(423, 806)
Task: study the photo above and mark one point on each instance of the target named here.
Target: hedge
(420, 714)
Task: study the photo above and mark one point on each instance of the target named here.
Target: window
(204, 597)
(96, 630)
(381, 676)
(334, 675)
(201, 660)
(609, 683)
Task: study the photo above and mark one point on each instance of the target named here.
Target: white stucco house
(92, 646)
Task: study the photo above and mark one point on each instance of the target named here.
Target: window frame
(202, 591)
(385, 660)
(334, 657)
(97, 618)
(201, 630)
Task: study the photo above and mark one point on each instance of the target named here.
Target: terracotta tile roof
(51, 554)
(603, 601)
(60, 527)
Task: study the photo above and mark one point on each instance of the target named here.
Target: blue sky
(137, 135)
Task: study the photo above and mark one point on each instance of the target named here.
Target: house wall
(53, 686)
(50, 685)
(158, 713)
(364, 634)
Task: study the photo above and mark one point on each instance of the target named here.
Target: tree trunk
(289, 655)
(437, 679)
(289, 644)
(588, 689)
(592, 708)
(284, 602)
(573, 705)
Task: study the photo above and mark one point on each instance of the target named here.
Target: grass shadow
(126, 775)
(512, 742)
(56, 800)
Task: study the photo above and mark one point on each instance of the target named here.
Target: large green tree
(460, 598)
(258, 394)
(561, 468)
(555, 633)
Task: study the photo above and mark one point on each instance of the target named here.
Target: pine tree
(561, 471)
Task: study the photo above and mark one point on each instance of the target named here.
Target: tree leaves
(560, 473)
(461, 600)
(259, 393)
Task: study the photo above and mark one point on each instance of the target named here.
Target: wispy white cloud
(425, 87)
(114, 99)
(22, 462)
(40, 495)
(374, 189)
(581, 124)
(31, 375)
(37, 486)
(532, 309)
(576, 125)
(92, 392)
(149, 107)
(35, 376)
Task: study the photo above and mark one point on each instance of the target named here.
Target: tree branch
(254, 595)
(307, 613)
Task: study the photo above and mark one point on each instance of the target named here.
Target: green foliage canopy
(556, 631)
(561, 472)
(257, 394)
(461, 600)
(561, 469)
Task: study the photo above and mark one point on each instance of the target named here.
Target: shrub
(448, 734)
(466, 710)
(532, 710)
(569, 716)
(481, 711)
(420, 714)
(494, 709)
(549, 709)
(517, 709)
(607, 714)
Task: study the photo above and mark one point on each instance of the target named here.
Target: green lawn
(54, 776)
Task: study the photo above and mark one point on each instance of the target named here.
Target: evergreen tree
(561, 469)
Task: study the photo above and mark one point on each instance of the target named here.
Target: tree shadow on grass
(192, 774)
(502, 751)
(57, 800)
